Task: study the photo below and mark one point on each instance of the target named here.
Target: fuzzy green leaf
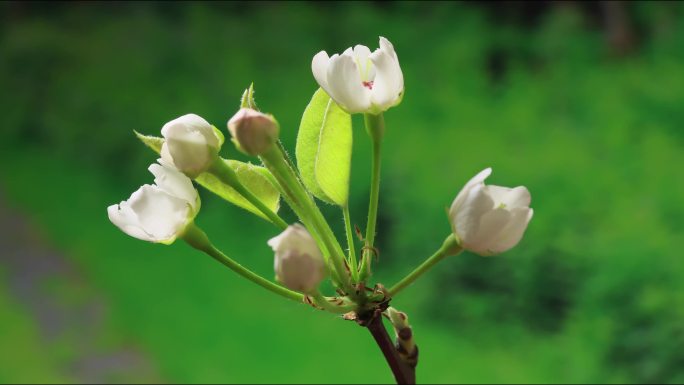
(153, 142)
(324, 148)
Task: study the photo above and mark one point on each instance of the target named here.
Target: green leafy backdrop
(594, 292)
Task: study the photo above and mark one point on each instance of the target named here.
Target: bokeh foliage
(595, 292)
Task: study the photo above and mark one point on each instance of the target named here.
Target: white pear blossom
(490, 219)
(161, 212)
(299, 263)
(191, 144)
(361, 81)
(253, 132)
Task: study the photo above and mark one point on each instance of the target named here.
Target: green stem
(198, 239)
(323, 302)
(275, 161)
(226, 174)
(289, 197)
(375, 125)
(350, 243)
(449, 247)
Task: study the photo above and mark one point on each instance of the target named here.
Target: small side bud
(299, 263)
(398, 319)
(253, 132)
(406, 345)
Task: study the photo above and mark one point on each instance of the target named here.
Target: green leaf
(255, 178)
(219, 134)
(153, 142)
(324, 148)
(247, 100)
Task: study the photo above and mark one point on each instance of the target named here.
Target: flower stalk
(375, 126)
(353, 263)
(275, 161)
(449, 247)
(198, 239)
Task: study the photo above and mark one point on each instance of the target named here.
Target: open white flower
(490, 219)
(161, 212)
(299, 264)
(361, 81)
(191, 144)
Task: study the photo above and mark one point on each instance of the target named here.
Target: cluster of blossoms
(485, 219)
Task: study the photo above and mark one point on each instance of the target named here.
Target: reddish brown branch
(403, 373)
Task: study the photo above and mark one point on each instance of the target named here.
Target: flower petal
(386, 46)
(192, 158)
(319, 67)
(345, 85)
(465, 220)
(125, 219)
(491, 225)
(299, 264)
(388, 84)
(477, 179)
(510, 197)
(298, 271)
(295, 237)
(166, 158)
(184, 133)
(518, 197)
(511, 234)
(366, 68)
(160, 215)
(175, 183)
(185, 127)
(190, 144)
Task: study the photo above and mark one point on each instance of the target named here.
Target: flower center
(368, 85)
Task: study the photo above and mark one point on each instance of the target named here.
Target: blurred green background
(582, 103)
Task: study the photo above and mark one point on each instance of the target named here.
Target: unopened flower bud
(253, 132)
(299, 263)
(490, 219)
(191, 144)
